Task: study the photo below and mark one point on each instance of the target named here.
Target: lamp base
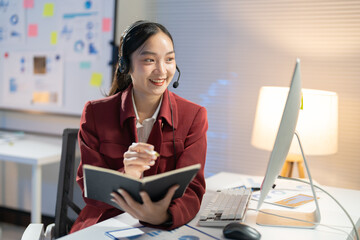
(276, 221)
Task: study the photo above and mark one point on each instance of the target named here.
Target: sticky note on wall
(85, 65)
(96, 79)
(28, 3)
(106, 24)
(32, 30)
(53, 38)
(48, 10)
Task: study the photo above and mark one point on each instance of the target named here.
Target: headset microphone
(176, 83)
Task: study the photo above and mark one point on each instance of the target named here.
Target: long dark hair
(132, 38)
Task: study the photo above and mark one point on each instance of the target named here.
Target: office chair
(65, 205)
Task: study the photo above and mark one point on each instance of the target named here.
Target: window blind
(228, 49)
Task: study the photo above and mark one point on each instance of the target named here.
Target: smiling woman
(139, 118)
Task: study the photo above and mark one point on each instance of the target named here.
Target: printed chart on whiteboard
(33, 78)
(55, 55)
(80, 30)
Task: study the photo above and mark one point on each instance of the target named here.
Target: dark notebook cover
(100, 182)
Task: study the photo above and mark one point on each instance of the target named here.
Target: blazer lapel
(127, 113)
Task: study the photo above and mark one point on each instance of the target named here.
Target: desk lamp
(317, 124)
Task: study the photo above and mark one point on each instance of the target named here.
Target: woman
(140, 116)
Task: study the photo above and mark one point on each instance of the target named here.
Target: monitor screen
(284, 135)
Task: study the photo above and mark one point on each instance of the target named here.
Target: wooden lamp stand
(290, 162)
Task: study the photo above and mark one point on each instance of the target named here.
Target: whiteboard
(55, 55)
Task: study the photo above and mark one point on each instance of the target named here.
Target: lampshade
(317, 124)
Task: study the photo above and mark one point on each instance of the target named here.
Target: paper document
(184, 232)
(289, 199)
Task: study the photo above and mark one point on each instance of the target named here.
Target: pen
(153, 153)
(258, 189)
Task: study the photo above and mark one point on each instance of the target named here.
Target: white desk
(330, 212)
(35, 151)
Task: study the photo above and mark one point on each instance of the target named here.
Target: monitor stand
(284, 218)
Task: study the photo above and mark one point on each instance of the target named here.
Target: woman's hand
(138, 158)
(151, 212)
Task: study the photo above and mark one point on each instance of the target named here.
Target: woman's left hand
(151, 212)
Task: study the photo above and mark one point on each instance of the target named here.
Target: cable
(172, 123)
(301, 220)
(338, 203)
(317, 211)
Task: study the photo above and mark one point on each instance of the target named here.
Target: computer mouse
(236, 230)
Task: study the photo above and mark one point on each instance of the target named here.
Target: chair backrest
(64, 201)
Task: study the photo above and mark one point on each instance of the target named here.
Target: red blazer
(108, 128)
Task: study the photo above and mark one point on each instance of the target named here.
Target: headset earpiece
(122, 65)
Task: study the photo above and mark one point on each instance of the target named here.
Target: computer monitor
(284, 136)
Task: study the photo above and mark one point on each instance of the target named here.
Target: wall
(129, 12)
(228, 49)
